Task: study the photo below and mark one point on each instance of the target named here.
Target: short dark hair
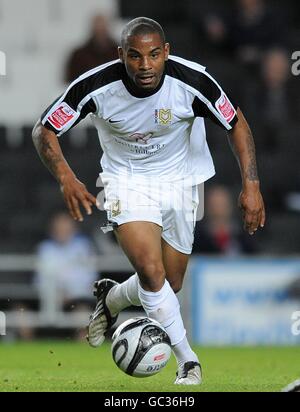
(140, 26)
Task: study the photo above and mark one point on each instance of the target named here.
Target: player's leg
(126, 294)
(141, 241)
(177, 241)
(142, 244)
(123, 295)
(133, 206)
(175, 263)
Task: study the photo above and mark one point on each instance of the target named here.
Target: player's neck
(136, 91)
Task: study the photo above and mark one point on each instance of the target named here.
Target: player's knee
(151, 274)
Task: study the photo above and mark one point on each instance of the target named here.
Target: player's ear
(121, 55)
(167, 51)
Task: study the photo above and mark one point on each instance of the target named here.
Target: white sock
(123, 295)
(163, 306)
(184, 353)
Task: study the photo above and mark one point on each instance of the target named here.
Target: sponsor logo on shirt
(140, 137)
(225, 108)
(163, 116)
(61, 116)
(147, 150)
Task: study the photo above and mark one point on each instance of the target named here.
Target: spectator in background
(219, 234)
(254, 29)
(278, 98)
(247, 31)
(65, 274)
(100, 48)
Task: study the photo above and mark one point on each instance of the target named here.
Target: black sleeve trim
(81, 89)
(200, 109)
(206, 86)
(89, 107)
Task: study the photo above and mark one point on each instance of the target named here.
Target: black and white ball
(141, 347)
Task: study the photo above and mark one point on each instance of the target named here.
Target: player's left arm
(250, 200)
(212, 102)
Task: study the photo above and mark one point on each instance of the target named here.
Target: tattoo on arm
(243, 147)
(50, 155)
(251, 172)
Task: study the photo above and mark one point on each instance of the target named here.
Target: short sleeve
(213, 103)
(70, 108)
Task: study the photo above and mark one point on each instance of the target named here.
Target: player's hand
(252, 207)
(76, 195)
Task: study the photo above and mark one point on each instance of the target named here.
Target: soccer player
(149, 109)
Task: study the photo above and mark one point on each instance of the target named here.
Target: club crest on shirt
(163, 116)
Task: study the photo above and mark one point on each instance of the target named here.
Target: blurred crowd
(98, 49)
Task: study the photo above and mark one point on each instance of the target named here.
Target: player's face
(144, 58)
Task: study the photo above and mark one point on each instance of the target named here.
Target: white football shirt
(159, 133)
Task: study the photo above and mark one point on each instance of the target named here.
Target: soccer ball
(141, 347)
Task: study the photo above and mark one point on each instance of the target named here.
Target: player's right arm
(74, 192)
(63, 114)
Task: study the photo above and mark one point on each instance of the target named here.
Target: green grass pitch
(75, 367)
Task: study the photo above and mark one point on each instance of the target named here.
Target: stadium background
(37, 37)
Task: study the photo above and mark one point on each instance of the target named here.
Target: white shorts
(171, 205)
